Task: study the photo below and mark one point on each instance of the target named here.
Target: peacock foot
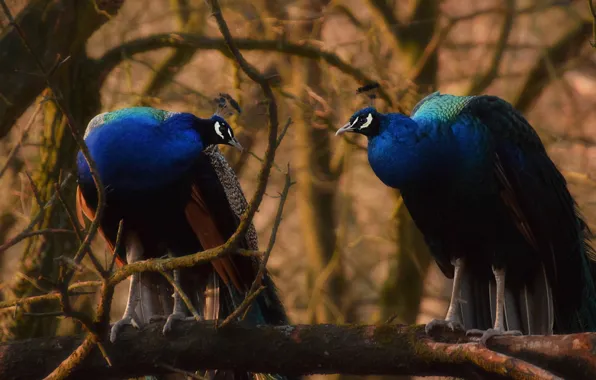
(485, 335)
(117, 327)
(157, 318)
(437, 325)
(175, 317)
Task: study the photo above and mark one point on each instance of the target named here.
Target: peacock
(176, 194)
(494, 210)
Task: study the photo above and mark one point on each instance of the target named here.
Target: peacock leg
(178, 314)
(129, 317)
(499, 326)
(134, 252)
(450, 320)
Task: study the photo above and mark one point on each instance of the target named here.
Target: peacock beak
(346, 128)
(233, 142)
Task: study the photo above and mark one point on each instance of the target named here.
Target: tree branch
(553, 58)
(56, 28)
(306, 349)
(115, 56)
(483, 81)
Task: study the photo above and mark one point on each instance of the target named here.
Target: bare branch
(593, 12)
(15, 149)
(182, 295)
(483, 81)
(555, 58)
(25, 233)
(58, 29)
(116, 55)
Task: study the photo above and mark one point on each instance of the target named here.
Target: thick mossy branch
(307, 349)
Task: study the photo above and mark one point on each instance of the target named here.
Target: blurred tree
(402, 291)
(316, 183)
(79, 86)
(190, 18)
(39, 262)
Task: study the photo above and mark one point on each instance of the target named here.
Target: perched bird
(494, 210)
(175, 195)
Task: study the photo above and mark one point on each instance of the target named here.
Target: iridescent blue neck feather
(141, 148)
(420, 151)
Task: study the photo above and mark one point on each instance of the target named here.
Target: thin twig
(256, 287)
(278, 217)
(115, 56)
(47, 297)
(76, 135)
(283, 132)
(36, 219)
(47, 314)
(180, 371)
(483, 81)
(117, 246)
(182, 295)
(593, 12)
(31, 281)
(69, 213)
(15, 149)
(244, 305)
(71, 217)
(34, 189)
(263, 177)
(27, 234)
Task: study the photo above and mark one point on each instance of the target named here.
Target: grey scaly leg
(179, 312)
(450, 319)
(134, 252)
(500, 302)
(499, 326)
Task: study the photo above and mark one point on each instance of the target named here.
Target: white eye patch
(367, 122)
(217, 125)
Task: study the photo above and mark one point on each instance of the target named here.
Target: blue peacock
(494, 210)
(175, 194)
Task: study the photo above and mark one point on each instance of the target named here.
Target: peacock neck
(408, 155)
(144, 155)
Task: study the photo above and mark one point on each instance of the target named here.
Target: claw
(116, 327)
(486, 335)
(175, 317)
(437, 324)
(157, 318)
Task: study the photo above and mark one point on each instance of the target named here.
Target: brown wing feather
(510, 200)
(83, 210)
(204, 227)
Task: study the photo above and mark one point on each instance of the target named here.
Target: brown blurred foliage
(347, 250)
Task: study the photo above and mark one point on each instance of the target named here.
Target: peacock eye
(367, 122)
(217, 127)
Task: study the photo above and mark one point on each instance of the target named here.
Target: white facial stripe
(229, 132)
(217, 130)
(367, 122)
(354, 122)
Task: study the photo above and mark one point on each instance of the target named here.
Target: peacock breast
(140, 156)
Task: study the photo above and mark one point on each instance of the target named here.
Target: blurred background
(347, 250)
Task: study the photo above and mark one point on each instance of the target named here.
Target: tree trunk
(316, 184)
(57, 155)
(403, 290)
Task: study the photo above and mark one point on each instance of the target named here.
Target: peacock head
(366, 121)
(216, 131)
